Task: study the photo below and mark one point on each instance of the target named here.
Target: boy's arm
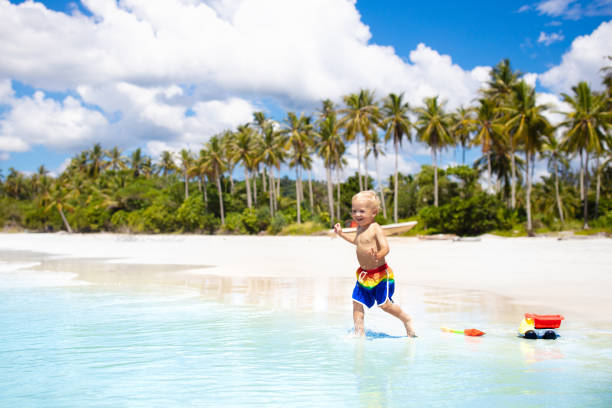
(338, 231)
(382, 242)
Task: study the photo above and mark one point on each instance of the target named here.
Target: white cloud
(555, 8)
(556, 107)
(551, 38)
(524, 8)
(574, 9)
(582, 62)
(179, 71)
(301, 50)
(6, 92)
(39, 120)
(530, 79)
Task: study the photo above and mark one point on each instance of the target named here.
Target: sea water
(69, 343)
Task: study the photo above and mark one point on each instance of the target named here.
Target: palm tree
(599, 169)
(501, 82)
(397, 125)
(433, 129)
(187, 163)
(377, 149)
(227, 143)
(528, 124)
(272, 155)
(361, 115)
(96, 160)
(462, 128)
(586, 124)
(551, 151)
(244, 153)
(116, 160)
(329, 144)
(297, 140)
(488, 132)
(57, 196)
(136, 161)
(261, 122)
(327, 108)
(203, 170)
(213, 156)
(166, 163)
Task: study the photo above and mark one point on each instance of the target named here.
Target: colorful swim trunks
(374, 285)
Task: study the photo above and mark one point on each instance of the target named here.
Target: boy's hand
(374, 254)
(337, 228)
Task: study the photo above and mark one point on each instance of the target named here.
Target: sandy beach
(572, 277)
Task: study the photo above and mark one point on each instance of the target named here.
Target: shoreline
(570, 277)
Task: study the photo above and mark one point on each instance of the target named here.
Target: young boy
(374, 278)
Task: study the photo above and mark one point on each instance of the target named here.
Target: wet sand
(496, 279)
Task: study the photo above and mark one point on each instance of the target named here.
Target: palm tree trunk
(255, 189)
(66, 224)
(301, 185)
(380, 188)
(231, 179)
(263, 180)
(330, 194)
(271, 194)
(366, 184)
(557, 195)
(528, 193)
(489, 170)
(297, 195)
(359, 163)
(597, 189)
(435, 164)
(513, 177)
(395, 186)
(220, 192)
(186, 185)
(311, 197)
(248, 187)
(338, 194)
(586, 190)
(205, 187)
(581, 177)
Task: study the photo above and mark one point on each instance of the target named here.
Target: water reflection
(375, 378)
(317, 293)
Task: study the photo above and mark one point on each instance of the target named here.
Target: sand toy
(535, 326)
(466, 332)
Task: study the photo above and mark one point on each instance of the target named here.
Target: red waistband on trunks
(381, 268)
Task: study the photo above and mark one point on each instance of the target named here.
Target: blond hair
(369, 195)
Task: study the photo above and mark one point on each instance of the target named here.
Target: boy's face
(364, 211)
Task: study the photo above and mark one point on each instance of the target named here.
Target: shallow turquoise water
(66, 344)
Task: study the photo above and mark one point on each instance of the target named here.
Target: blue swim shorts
(374, 286)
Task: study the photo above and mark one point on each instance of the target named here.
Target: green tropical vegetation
(196, 191)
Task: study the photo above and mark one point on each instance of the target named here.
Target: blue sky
(169, 75)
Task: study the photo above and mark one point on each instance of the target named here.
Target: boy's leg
(397, 311)
(358, 314)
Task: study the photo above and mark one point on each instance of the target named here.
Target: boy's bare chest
(365, 239)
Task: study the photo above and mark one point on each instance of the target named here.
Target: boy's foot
(409, 330)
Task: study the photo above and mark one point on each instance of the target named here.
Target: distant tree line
(104, 190)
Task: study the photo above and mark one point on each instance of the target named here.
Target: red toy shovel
(467, 332)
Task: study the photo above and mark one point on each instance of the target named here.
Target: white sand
(570, 276)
